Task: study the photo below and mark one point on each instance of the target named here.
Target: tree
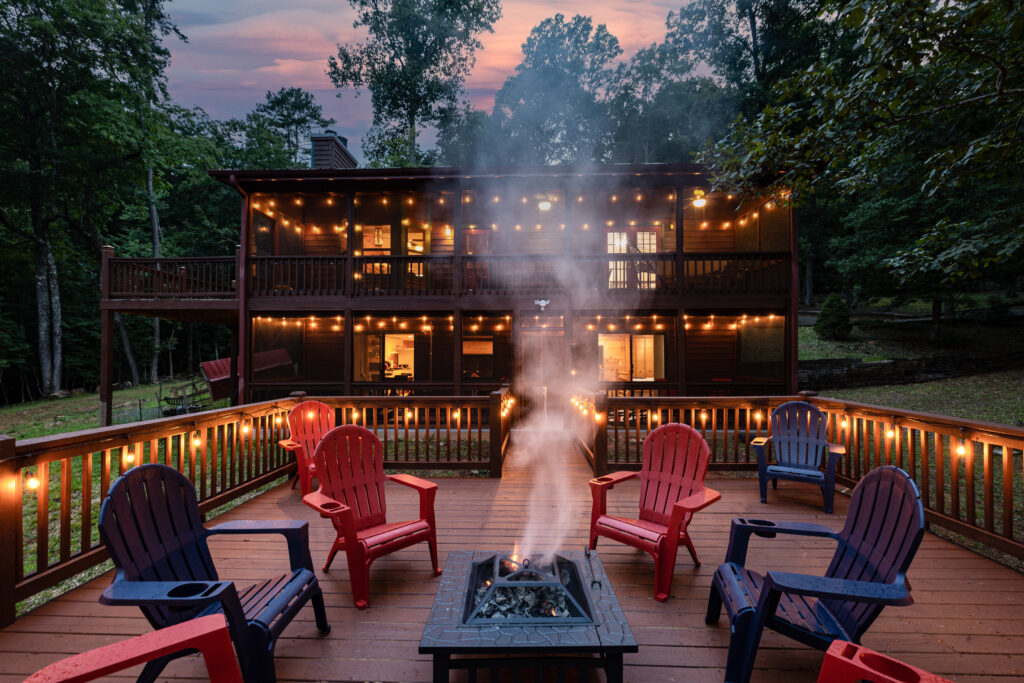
(415, 59)
(936, 87)
(293, 113)
(554, 108)
(73, 75)
(749, 45)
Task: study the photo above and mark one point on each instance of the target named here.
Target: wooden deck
(967, 623)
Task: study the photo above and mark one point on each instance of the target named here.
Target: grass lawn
(874, 340)
(994, 397)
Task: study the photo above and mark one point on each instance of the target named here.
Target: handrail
(175, 278)
(52, 487)
(969, 472)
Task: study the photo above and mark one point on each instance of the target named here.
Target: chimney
(330, 150)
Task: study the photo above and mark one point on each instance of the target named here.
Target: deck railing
(970, 473)
(402, 275)
(172, 278)
(296, 275)
(731, 273)
(52, 488)
(510, 275)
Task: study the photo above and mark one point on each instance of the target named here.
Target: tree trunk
(411, 161)
(154, 218)
(190, 358)
(936, 332)
(126, 344)
(808, 278)
(43, 317)
(56, 322)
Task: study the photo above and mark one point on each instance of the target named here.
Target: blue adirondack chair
(883, 530)
(150, 523)
(802, 451)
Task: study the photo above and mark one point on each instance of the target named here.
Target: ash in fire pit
(505, 590)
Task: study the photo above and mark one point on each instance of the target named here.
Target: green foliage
(553, 109)
(293, 113)
(917, 97)
(834, 319)
(415, 58)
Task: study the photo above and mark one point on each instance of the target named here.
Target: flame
(515, 551)
(553, 612)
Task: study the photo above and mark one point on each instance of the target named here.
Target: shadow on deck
(967, 622)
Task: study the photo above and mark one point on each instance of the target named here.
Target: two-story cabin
(629, 278)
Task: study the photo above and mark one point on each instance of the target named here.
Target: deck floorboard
(967, 622)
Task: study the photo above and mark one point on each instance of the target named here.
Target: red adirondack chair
(851, 663)
(307, 424)
(350, 468)
(675, 460)
(208, 634)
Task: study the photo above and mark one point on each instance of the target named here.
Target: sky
(239, 49)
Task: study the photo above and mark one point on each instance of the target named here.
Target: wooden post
(600, 445)
(456, 351)
(350, 247)
(106, 341)
(347, 362)
(793, 308)
(10, 502)
(496, 428)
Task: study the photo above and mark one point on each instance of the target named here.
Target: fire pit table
(522, 616)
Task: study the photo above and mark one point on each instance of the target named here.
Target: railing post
(600, 448)
(9, 519)
(496, 427)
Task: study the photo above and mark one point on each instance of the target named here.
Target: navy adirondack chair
(802, 451)
(150, 523)
(883, 530)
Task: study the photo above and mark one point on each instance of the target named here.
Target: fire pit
(525, 616)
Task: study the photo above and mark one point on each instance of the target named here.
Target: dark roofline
(455, 172)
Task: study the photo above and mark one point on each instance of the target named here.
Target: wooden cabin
(636, 279)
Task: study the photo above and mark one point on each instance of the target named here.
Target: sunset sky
(239, 49)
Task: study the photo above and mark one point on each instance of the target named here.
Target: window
(631, 357)
(402, 349)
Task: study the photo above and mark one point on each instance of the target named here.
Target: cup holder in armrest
(187, 590)
(760, 522)
(330, 506)
(604, 479)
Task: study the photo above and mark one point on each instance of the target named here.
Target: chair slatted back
(883, 530)
(307, 423)
(151, 526)
(799, 435)
(350, 467)
(675, 460)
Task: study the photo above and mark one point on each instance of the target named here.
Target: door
(543, 370)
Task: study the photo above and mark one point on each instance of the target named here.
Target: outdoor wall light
(544, 205)
(698, 199)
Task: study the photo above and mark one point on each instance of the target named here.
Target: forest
(895, 129)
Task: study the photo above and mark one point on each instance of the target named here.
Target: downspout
(240, 362)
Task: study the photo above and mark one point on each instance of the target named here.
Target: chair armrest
(760, 446)
(610, 480)
(835, 453)
(209, 634)
(295, 532)
(824, 587)
(336, 510)
(742, 529)
(288, 444)
(325, 505)
(699, 500)
(599, 487)
(427, 491)
(412, 482)
(179, 594)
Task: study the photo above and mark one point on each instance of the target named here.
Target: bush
(834, 319)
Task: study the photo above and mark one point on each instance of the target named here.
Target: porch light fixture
(698, 199)
(544, 205)
(32, 483)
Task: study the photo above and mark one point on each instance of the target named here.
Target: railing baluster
(43, 517)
